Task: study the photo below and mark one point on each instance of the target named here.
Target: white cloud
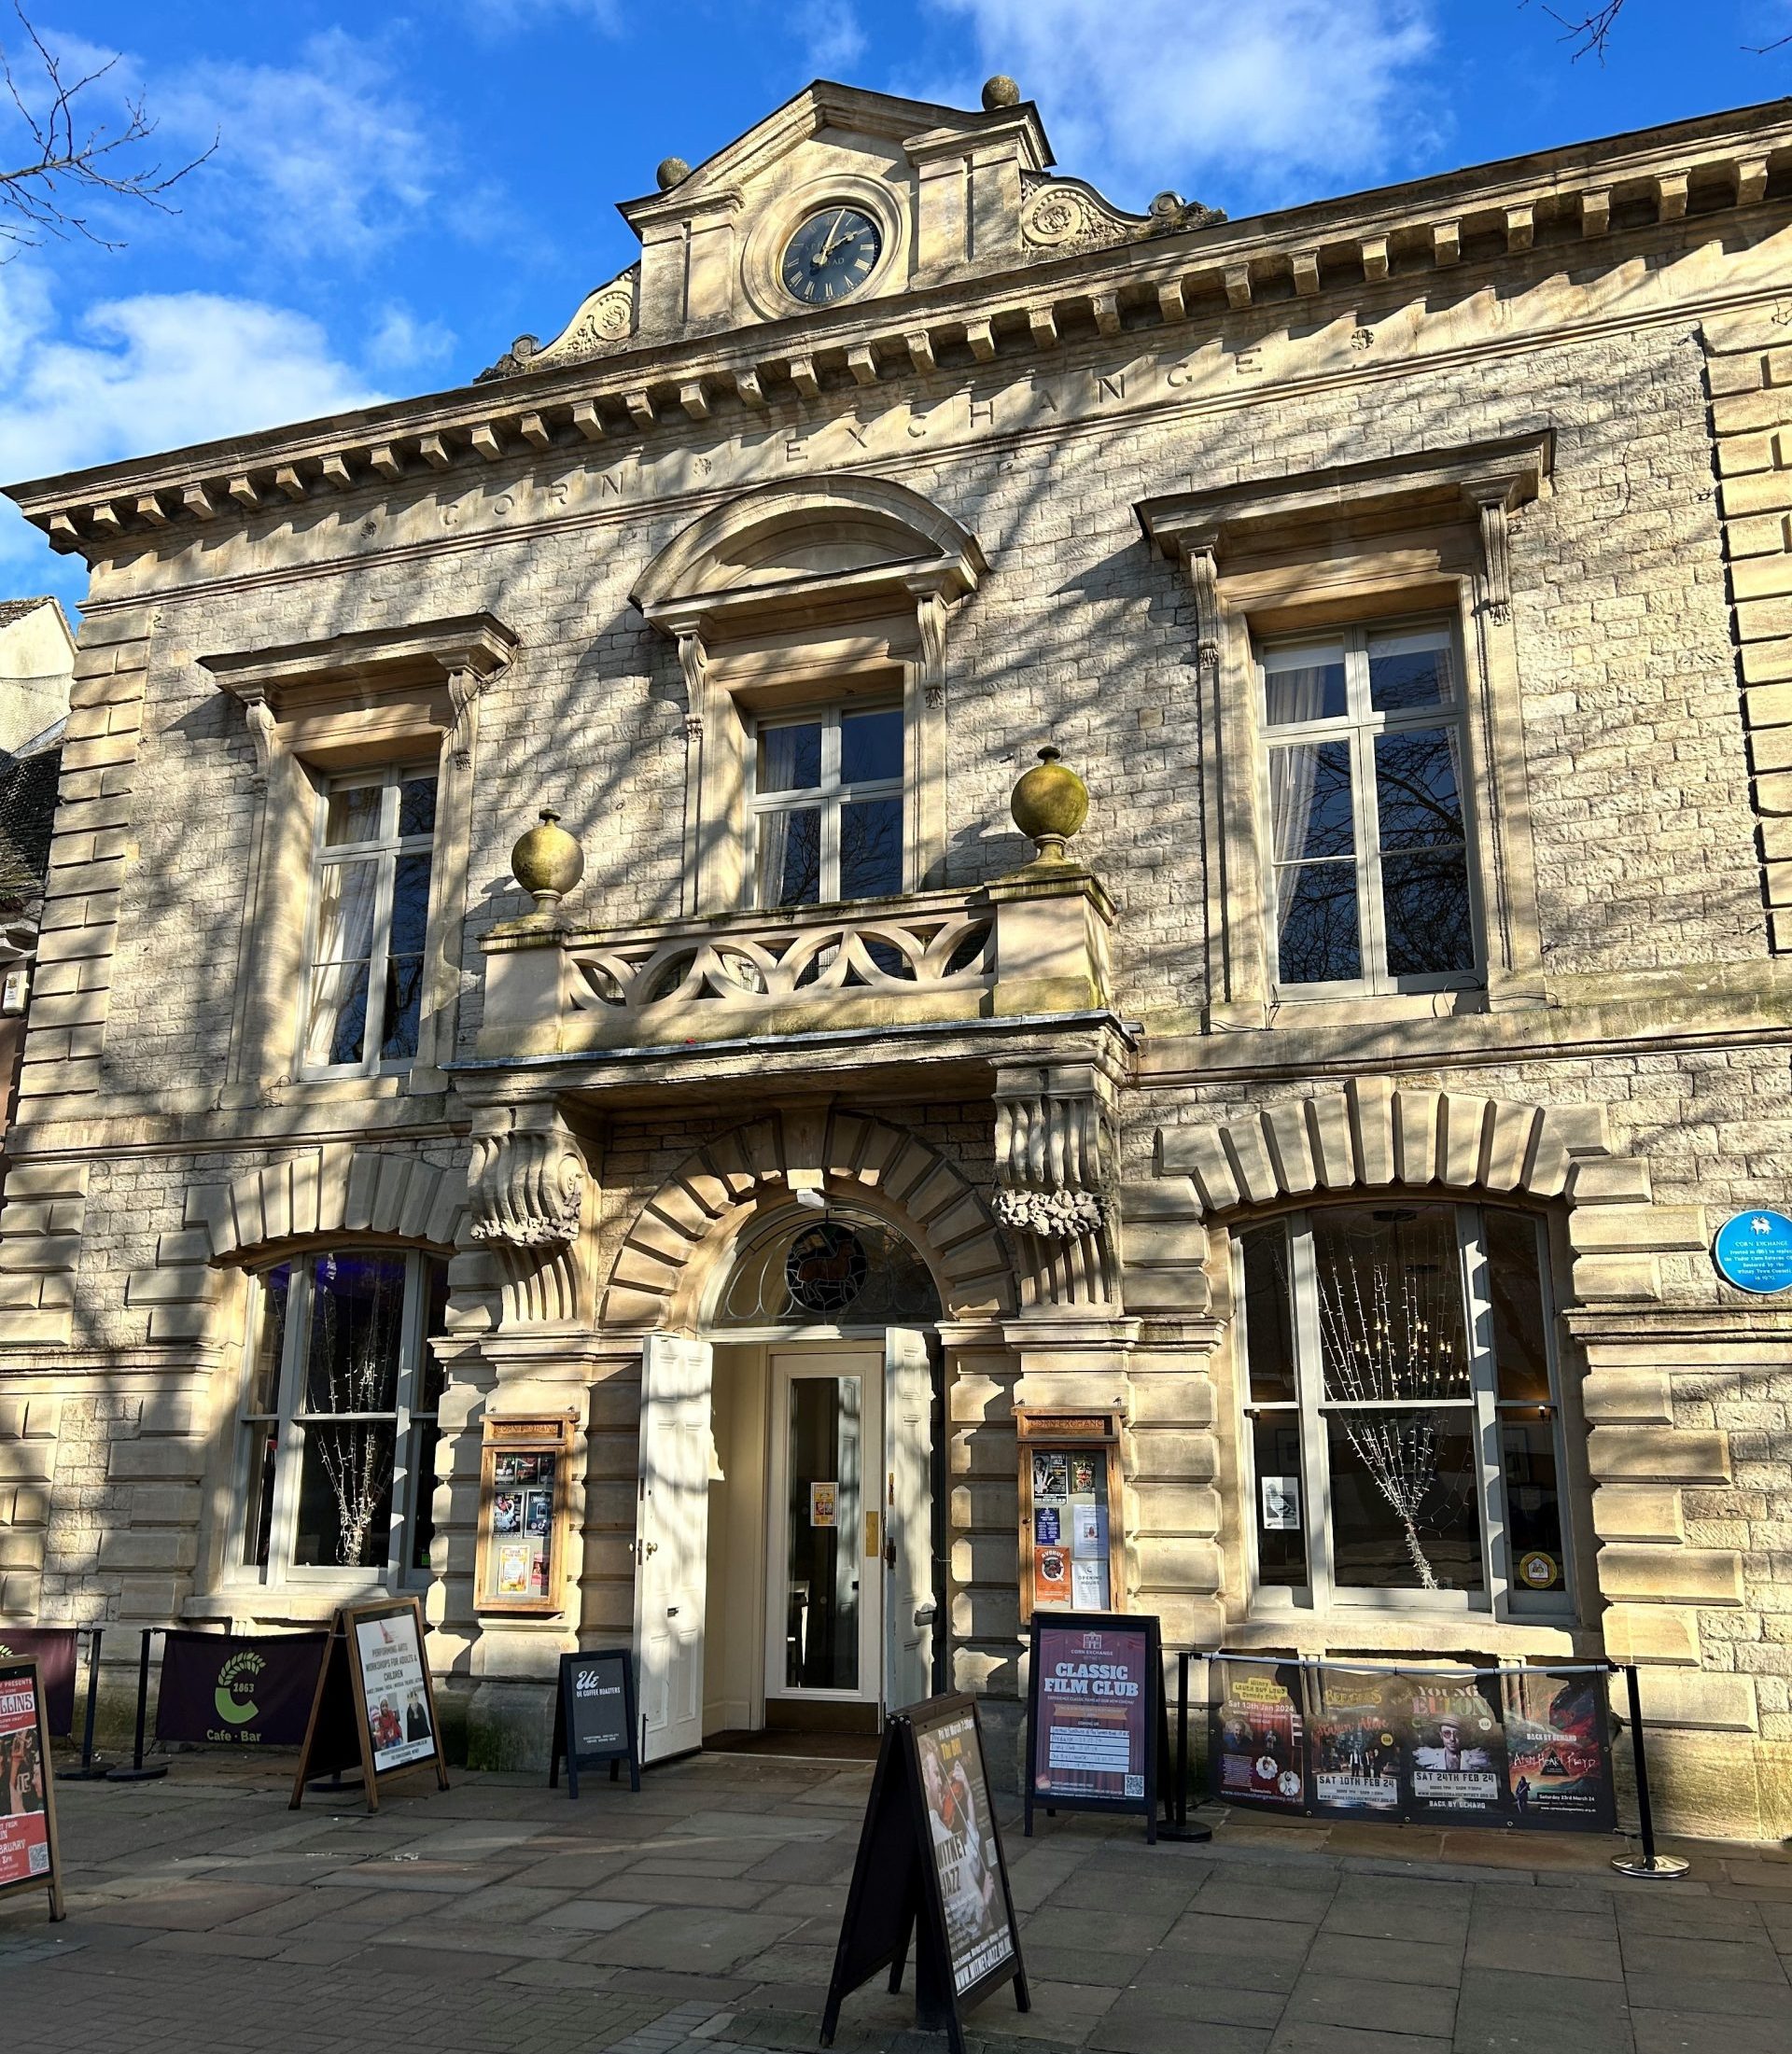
(502, 17)
(1278, 93)
(830, 36)
(402, 343)
(325, 158)
(148, 372)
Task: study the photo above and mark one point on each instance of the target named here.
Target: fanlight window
(836, 1270)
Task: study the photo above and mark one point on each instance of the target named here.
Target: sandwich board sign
(1096, 1716)
(374, 1708)
(594, 1717)
(929, 1866)
(30, 1857)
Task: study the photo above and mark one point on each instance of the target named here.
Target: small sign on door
(824, 1504)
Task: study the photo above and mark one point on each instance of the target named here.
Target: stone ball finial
(547, 861)
(672, 171)
(1000, 92)
(1050, 803)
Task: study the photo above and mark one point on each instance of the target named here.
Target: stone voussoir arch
(1377, 1132)
(658, 1277)
(337, 1189)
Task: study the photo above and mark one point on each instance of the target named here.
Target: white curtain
(1292, 696)
(345, 895)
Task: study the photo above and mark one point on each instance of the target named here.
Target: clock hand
(832, 244)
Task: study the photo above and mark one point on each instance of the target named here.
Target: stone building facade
(1341, 1114)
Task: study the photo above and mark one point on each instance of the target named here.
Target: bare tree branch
(70, 163)
(1591, 33)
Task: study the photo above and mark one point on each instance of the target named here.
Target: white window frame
(1321, 1592)
(830, 794)
(1360, 725)
(410, 1424)
(385, 850)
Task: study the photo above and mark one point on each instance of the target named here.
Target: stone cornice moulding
(1471, 220)
(475, 646)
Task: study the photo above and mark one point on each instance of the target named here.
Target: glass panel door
(825, 1561)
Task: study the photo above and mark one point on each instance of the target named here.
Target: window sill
(1368, 1634)
(1373, 1009)
(292, 1603)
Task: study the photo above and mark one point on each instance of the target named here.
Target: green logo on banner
(235, 1693)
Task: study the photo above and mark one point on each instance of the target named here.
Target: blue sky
(398, 193)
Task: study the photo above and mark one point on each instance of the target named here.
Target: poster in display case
(1072, 1521)
(524, 1470)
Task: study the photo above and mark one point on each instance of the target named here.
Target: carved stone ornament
(604, 318)
(527, 1186)
(261, 724)
(1053, 1215)
(1060, 215)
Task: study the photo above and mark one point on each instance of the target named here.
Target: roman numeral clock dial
(831, 256)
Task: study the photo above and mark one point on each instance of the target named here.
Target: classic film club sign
(930, 1868)
(1095, 1714)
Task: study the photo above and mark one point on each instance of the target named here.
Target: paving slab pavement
(701, 1915)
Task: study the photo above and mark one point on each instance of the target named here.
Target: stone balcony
(1033, 944)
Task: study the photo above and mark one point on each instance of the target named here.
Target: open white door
(908, 1518)
(671, 1542)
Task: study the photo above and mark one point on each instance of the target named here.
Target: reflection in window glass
(1410, 670)
(871, 746)
(1268, 1317)
(1301, 685)
(829, 807)
(826, 1456)
(871, 849)
(1406, 1500)
(789, 857)
(1390, 1289)
(789, 758)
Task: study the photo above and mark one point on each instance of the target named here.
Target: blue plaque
(1754, 1251)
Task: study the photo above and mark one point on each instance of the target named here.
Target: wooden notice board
(374, 1708)
(929, 1866)
(1072, 1511)
(525, 1469)
(30, 1855)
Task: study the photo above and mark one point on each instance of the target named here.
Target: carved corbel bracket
(929, 622)
(1202, 560)
(1055, 1170)
(1493, 502)
(526, 1179)
(263, 731)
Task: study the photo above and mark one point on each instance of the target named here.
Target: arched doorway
(792, 1545)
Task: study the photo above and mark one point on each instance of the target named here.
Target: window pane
(357, 1334)
(1317, 938)
(1309, 801)
(346, 1495)
(353, 815)
(1425, 909)
(1282, 1523)
(345, 912)
(871, 849)
(1410, 670)
(270, 1341)
(789, 758)
(1533, 1501)
(257, 1512)
(417, 806)
(825, 1448)
(409, 904)
(337, 1028)
(1406, 1500)
(1417, 788)
(1269, 1319)
(871, 746)
(403, 1008)
(424, 1440)
(1389, 1303)
(1304, 685)
(427, 1394)
(1515, 1292)
(790, 857)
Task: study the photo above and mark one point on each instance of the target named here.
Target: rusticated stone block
(1686, 1575)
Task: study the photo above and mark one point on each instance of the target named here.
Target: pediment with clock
(841, 197)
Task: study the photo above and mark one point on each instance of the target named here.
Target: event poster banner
(978, 1937)
(24, 1815)
(1256, 1736)
(1095, 1702)
(1457, 1771)
(237, 1689)
(1359, 1730)
(395, 1697)
(53, 1649)
(1559, 1749)
(1520, 1747)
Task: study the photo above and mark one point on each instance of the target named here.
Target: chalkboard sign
(375, 1705)
(930, 1866)
(1095, 1715)
(30, 1858)
(594, 1717)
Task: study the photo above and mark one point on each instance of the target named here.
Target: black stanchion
(1648, 1863)
(1176, 1826)
(89, 1771)
(137, 1773)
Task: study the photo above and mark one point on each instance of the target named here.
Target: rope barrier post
(137, 1773)
(1178, 1827)
(87, 1773)
(1649, 1864)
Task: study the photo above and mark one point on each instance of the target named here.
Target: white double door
(850, 1586)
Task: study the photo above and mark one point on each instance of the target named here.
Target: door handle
(649, 1547)
(924, 1614)
(671, 1612)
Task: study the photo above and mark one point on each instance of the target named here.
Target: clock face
(831, 256)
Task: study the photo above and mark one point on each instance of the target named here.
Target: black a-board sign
(30, 1853)
(374, 1708)
(930, 1866)
(1097, 1723)
(594, 1717)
